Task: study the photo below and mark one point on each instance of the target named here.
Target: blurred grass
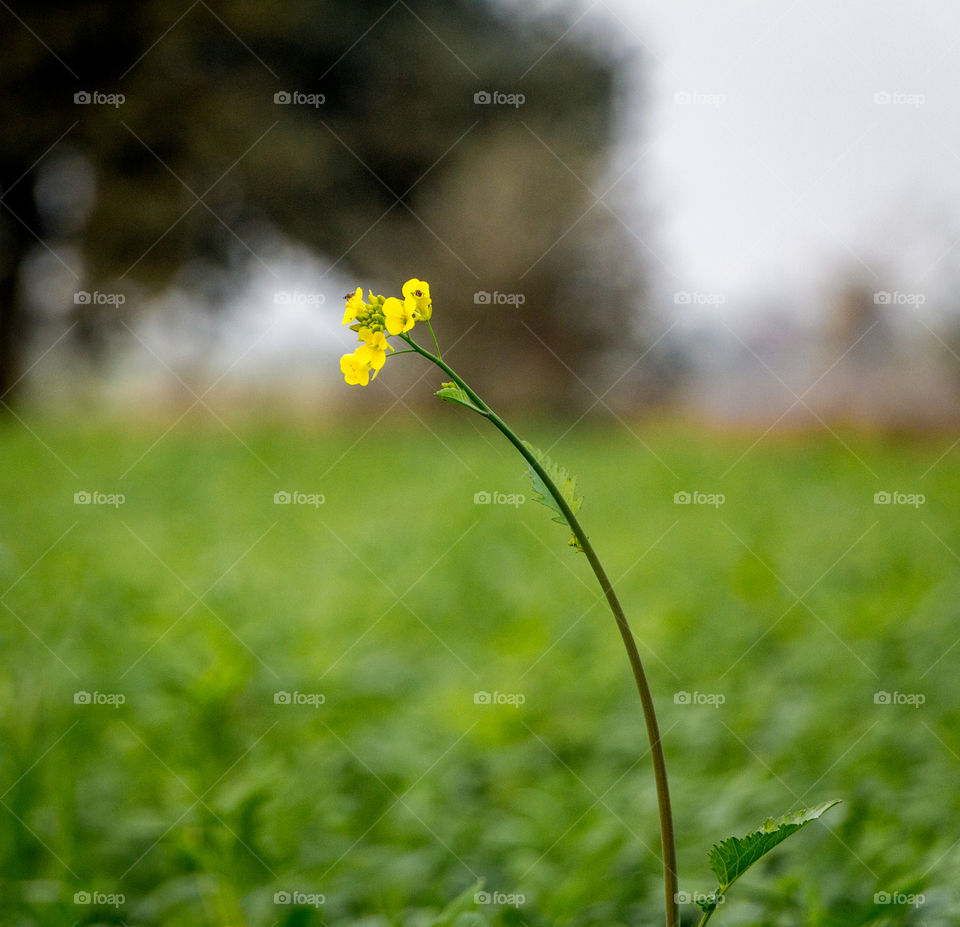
(198, 599)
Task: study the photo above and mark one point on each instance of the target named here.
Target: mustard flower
(373, 351)
(416, 299)
(355, 306)
(398, 316)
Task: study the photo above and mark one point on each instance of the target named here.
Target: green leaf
(565, 483)
(732, 857)
(450, 392)
(460, 905)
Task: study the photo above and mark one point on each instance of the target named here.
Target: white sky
(787, 171)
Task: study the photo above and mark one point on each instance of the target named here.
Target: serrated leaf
(450, 392)
(564, 482)
(732, 857)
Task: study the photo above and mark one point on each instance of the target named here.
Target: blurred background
(757, 203)
(705, 255)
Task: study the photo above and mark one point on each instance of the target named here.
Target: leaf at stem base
(732, 857)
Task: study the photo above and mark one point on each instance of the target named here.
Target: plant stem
(435, 342)
(633, 655)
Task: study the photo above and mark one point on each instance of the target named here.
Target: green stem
(706, 916)
(435, 342)
(633, 655)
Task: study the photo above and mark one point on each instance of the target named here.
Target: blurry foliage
(398, 173)
(201, 797)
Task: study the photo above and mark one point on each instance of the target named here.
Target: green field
(199, 599)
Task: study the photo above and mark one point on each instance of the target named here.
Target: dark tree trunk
(15, 243)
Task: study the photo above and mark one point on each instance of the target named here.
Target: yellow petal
(417, 289)
(370, 356)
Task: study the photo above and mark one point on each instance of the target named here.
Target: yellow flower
(397, 315)
(416, 298)
(373, 351)
(355, 371)
(369, 319)
(354, 304)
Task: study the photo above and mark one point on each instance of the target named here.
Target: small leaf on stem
(562, 479)
(450, 392)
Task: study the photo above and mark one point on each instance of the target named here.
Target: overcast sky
(771, 161)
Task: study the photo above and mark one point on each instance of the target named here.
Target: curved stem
(633, 655)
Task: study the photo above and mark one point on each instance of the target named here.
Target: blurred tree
(398, 172)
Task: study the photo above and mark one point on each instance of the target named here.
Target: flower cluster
(373, 320)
